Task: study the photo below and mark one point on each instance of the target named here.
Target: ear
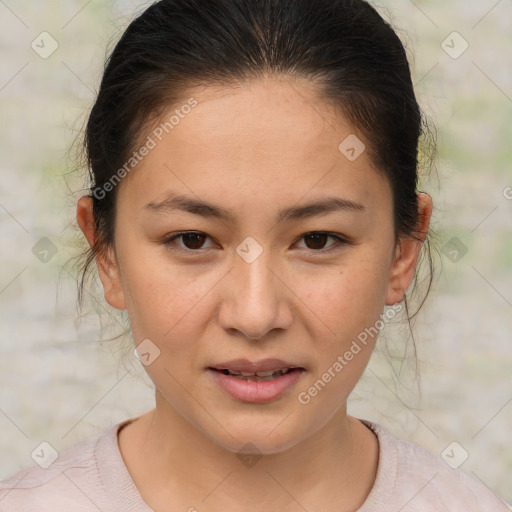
(407, 253)
(108, 267)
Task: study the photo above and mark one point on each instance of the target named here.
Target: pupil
(195, 245)
(315, 237)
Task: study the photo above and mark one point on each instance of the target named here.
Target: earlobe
(407, 253)
(108, 268)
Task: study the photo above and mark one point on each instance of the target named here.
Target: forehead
(271, 138)
(266, 120)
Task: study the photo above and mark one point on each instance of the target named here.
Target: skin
(295, 301)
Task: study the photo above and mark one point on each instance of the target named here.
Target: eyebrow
(204, 209)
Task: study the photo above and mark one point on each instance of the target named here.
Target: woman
(254, 208)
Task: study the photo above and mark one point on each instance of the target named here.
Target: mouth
(256, 382)
(257, 376)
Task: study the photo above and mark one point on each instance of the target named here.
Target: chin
(258, 437)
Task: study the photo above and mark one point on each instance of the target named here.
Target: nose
(255, 299)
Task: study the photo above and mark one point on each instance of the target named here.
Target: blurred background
(61, 380)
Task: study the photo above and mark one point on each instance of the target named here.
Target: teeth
(265, 374)
(268, 375)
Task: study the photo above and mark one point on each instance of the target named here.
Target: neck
(173, 463)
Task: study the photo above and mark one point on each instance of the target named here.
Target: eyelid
(341, 240)
(169, 239)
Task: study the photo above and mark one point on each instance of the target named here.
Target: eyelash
(340, 241)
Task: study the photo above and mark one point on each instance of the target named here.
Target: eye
(192, 240)
(316, 240)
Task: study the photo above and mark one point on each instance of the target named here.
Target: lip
(255, 391)
(264, 365)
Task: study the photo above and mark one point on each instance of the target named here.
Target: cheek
(160, 298)
(346, 298)
(348, 305)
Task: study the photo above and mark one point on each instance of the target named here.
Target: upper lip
(264, 365)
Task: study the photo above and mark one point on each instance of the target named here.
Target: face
(222, 261)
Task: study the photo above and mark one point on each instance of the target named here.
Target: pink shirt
(91, 476)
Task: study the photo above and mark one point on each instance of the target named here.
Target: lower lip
(254, 391)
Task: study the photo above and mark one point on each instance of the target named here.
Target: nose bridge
(252, 268)
(255, 300)
(258, 279)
